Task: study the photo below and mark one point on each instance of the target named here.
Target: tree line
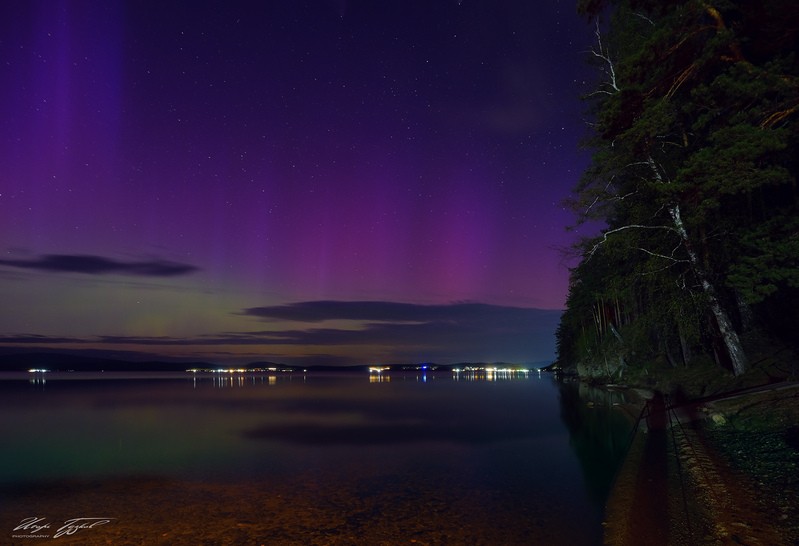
(693, 178)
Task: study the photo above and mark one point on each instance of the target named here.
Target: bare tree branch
(657, 255)
(605, 56)
(623, 228)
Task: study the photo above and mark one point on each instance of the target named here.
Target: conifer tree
(694, 168)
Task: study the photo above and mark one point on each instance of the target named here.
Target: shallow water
(426, 458)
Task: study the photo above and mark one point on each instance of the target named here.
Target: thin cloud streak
(98, 265)
(26, 339)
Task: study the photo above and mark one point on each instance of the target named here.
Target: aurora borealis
(310, 181)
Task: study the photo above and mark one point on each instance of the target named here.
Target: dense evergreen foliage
(694, 171)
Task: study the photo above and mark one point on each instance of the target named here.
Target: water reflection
(599, 430)
(38, 381)
(477, 456)
(241, 380)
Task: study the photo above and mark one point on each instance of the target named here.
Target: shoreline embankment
(680, 482)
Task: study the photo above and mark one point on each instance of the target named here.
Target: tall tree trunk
(728, 334)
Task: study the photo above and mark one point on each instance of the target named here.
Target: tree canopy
(694, 139)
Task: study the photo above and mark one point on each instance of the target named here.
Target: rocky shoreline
(717, 472)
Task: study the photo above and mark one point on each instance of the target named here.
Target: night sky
(315, 181)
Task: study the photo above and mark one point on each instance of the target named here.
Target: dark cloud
(97, 265)
(25, 339)
(417, 329)
(417, 332)
(318, 311)
(407, 332)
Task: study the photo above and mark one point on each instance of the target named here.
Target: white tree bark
(726, 329)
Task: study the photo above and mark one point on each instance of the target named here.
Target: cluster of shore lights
(471, 369)
(468, 370)
(38, 370)
(490, 374)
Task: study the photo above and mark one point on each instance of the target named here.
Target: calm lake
(395, 458)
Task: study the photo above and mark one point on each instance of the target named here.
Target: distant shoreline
(65, 362)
